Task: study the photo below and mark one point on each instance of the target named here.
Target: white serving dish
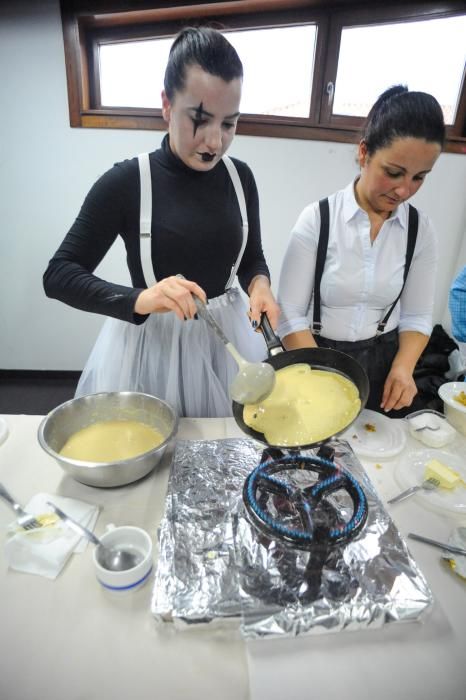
(454, 411)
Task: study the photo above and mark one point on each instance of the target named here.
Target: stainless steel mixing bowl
(69, 417)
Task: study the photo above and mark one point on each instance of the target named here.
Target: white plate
(410, 471)
(386, 441)
(450, 389)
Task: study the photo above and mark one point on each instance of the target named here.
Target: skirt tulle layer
(182, 362)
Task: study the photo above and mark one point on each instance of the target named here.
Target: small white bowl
(133, 539)
(430, 427)
(454, 411)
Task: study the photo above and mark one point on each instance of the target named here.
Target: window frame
(87, 23)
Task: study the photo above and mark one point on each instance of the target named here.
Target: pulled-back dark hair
(399, 113)
(205, 47)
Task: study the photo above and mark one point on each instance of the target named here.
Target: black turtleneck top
(196, 231)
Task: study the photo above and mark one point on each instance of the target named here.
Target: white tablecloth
(70, 639)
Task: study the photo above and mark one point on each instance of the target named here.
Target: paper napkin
(44, 551)
(457, 561)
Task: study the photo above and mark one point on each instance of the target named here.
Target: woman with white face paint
(186, 209)
(359, 272)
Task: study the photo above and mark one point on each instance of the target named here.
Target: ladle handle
(205, 314)
(74, 524)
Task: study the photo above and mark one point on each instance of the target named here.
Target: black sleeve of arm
(253, 261)
(69, 276)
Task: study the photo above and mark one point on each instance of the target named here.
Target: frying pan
(319, 358)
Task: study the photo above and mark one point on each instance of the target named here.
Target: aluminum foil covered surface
(215, 566)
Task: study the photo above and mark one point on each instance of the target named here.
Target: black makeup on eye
(198, 119)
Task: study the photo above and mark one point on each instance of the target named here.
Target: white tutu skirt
(182, 362)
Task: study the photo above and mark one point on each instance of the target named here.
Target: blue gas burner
(304, 502)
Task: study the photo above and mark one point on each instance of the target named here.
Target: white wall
(46, 169)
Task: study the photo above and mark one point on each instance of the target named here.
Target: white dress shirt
(361, 279)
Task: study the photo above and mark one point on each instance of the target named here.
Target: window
(119, 62)
(312, 67)
(285, 89)
(405, 55)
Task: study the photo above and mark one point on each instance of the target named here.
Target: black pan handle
(273, 343)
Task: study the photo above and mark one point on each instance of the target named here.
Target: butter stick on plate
(447, 477)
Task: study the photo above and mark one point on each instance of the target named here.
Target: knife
(440, 545)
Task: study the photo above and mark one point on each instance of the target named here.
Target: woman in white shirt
(359, 272)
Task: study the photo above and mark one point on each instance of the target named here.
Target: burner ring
(305, 501)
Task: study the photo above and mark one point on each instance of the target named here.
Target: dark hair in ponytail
(399, 113)
(203, 46)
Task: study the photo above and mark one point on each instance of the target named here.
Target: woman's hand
(170, 294)
(399, 389)
(262, 300)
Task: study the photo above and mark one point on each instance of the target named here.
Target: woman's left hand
(262, 300)
(399, 389)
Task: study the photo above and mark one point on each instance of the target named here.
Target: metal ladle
(255, 380)
(110, 558)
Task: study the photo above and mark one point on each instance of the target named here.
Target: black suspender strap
(320, 262)
(413, 222)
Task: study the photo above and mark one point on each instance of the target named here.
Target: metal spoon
(255, 380)
(110, 558)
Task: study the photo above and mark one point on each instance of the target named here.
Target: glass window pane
(275, 82)
(427, 56)
(131, 73)
(278, 67)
